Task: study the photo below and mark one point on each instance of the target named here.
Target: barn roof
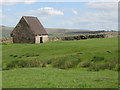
(35, 25)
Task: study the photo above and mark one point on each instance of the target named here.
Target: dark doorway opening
(41, 40)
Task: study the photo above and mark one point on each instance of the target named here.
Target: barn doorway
(41, 39)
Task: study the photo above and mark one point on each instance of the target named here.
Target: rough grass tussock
(65, 62)
(23, 63)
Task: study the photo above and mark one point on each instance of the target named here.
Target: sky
(69, 15)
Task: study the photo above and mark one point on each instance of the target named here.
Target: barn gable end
(29, 30)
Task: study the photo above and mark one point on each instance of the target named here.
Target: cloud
(104, 1)
(75, 12)
(98, 20)
(90, 21)
(98, 16)
(44, 11)
(9, 20)
(9, 2)
(101, 15)
(50, 11)
(12, 2)
(109, 6)
(30, 1)
(2, 16)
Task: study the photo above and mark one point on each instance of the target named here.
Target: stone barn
(29, 30)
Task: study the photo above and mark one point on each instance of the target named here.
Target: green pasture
(83, 49)
(90, 63)
(58, 78)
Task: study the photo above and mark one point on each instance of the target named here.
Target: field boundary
(74, 37)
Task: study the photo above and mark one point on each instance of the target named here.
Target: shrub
(31, 55)
(19, 57)
(34, 63)
(85, 64)
(12, 64)
(3, 43)
(48, 61)
(108, 51)
(79, 53)
(69, 64)
(44, 65)
(102, 66)
(37, 54)
(58, 63)
(94, 67)
(65, 63)
(15, 56)
(97, 58)
(23, 63)
(27, 56)
(117, 67)
(11, 55)
(108, 66)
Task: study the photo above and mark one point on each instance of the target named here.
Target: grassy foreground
(75, 58)
(58, 78)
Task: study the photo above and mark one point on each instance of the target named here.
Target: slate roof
(35, 25)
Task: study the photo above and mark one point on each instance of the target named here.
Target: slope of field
(105, 49)
(83, 49)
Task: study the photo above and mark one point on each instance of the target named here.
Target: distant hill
(6, 28)
(6, 31)
(58, 32)
(51, 31)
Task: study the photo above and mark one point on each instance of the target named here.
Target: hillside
(86, 50)
(6, 31)
(51, 31)
(59, 32)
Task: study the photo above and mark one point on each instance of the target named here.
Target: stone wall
(44, 38)
(55, 38)
(6, 40)
(22, 34)
(80, 37)
(111, 34)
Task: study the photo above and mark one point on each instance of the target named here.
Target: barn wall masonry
(29, 30)
(22, 34)
(43, 37)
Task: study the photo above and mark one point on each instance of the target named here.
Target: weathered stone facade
(22, 33)
(6, 40)
(41, 39)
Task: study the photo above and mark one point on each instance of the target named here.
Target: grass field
(75, 58)
(58, 78)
